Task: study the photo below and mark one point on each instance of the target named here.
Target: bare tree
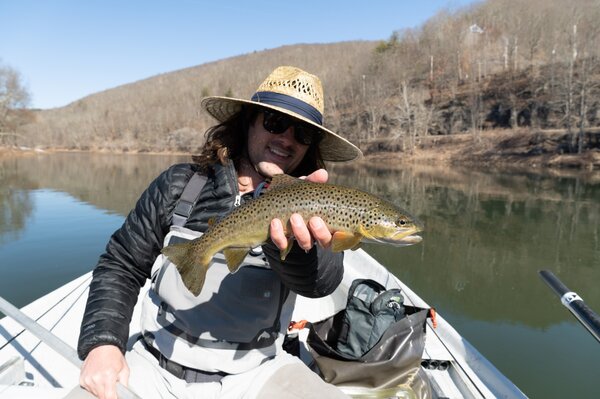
(589, 36)
(571, 89)
(14, 97)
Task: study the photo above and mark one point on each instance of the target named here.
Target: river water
(487, 236)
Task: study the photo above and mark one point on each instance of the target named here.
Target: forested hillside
(499, 64)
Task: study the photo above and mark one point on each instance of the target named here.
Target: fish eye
(402, 222)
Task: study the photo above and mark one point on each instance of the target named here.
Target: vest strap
(188, 199)
(188, 374)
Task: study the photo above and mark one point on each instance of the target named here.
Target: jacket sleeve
(127, 263)
(313, 274)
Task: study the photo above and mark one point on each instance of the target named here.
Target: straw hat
(294, 92)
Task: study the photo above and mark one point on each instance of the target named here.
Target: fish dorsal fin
(284, 180)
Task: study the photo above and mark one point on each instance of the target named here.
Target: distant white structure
(475, 29)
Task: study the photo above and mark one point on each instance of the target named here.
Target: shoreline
(530, 150)
(523, 151)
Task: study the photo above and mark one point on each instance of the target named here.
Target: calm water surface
(487, 235)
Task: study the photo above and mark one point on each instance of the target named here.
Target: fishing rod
(573, 302)
(54, 342)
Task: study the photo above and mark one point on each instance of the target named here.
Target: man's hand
(304, 233)
(103, 367)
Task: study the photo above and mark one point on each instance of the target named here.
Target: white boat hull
(29, 368)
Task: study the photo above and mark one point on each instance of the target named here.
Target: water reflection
(15, 203)
(57, 212)
(487, 235)
(107, 181)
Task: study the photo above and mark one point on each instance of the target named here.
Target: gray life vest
(235, 323)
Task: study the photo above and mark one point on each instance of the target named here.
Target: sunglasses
(276, 123)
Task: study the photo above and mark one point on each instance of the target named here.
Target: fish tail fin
(191, 268)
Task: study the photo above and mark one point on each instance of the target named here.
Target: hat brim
(332, 147)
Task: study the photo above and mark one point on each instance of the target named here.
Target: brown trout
(352, 215)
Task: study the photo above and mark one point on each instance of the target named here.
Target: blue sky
(67, 49)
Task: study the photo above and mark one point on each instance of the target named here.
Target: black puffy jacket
(132, 249)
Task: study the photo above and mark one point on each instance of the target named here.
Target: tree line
(500, 64)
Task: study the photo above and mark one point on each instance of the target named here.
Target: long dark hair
(228, 140)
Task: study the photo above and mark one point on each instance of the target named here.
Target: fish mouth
(402, 238)
(402, 241)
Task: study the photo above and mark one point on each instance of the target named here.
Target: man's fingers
(123, 376)
(103, 385)
(304, 234)
(103, 367)
(277, 234)
(301, 233)
(319, 231)
(318, 176)
(110, 390)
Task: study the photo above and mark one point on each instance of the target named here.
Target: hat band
(290, 103)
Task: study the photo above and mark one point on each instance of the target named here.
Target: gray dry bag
(375, 342)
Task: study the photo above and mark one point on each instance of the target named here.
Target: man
(227, 341)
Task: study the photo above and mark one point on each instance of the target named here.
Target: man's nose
(288, 134)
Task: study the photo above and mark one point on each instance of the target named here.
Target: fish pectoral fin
(192, 270)
(284, 252)
(343, 240)
(234, 256)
